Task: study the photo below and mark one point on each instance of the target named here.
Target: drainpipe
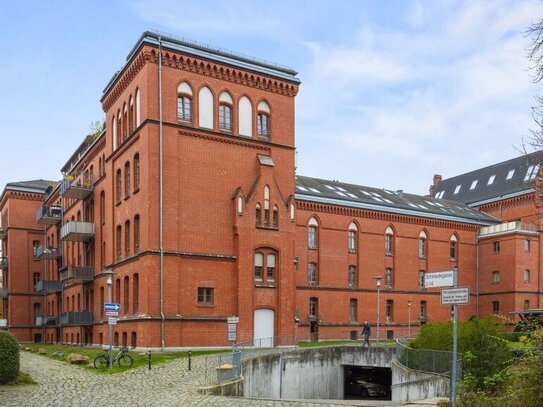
(161, 190)
(477, 276)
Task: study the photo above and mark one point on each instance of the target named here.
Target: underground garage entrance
(367, 382)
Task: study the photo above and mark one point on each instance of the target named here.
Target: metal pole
(378, 293)
(409, 319)
(455, 343)
(110, 327)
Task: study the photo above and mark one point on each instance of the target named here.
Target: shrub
(9, 357)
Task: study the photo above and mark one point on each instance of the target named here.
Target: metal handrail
(425, 360)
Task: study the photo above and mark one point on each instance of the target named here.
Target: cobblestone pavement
(169, 384)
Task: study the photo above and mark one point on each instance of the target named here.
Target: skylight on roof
(439, 195)
(422, 207)
(510, 174)
(365, 192)
(341, 189)
(412, 205)
(376, 194)
(352, 195)
(388, 200)
(530, 174)
(457, 189)
(473, 184)
(315, 190)
(377, 199)
(330, 187)
(340, 193)
(430, 203)
(491, 180)
(302, 188)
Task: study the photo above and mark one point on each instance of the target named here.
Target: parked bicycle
(122, 358)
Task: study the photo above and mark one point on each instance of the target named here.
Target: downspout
(477, 276)
(161, 191)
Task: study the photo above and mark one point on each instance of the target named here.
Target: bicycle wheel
(125, 361)
(101, 362)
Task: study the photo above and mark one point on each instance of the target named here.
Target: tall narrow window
(495, 277)
(114, 132)
(118, 185)
(131, 116)
(136, 234)
(388, 277)
(312, 274)
(35, 247)
(118, 242)
(275, 217)
(126, 295)
(352, 276)
(135, 293)
(263, 121)
(351, 242)
(136, 172)
(102, 207)
(225, 112)
(125, 122)
(259, 264)
(267, 205)
(452, 247)
(421, 280)
(118, 290)
(495, 307)
(390, 311)
(138, 113)
(205, 108)
(313, 307)
(353, 310)
(127, 238)
(422, 312)
(258, 215)
(496, 247)
(526, 276)
(127, 179)
(527, 245)
(119, 128)
(422, 245)
(184, 103)
(245, 117)
(270, 267)
(389, 241)
(526, 304)
(102, 301)
(312, 235)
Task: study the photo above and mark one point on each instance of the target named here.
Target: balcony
(46, 321)
(78, 187)
(77, 231)
(3, 292)
(508, 227)
(48, 286)
(44, 253)
(3, 263)
(3, 323)
(82, 274)
(3, 233)
(48, 215)
(76, 318)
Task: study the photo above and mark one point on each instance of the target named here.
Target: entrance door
(264, 323)
(314, 331)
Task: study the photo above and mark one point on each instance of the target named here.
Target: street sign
(112, 309)
(439, 279)
(452, 296)
(233, 320)
(112, 321)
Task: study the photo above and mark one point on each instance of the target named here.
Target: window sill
(313, 248)
(118, 203)
(126, 197)
(136, 190)
(202, 305)
(389, 255)
(267, 227)
(352, 251)
(264, 285)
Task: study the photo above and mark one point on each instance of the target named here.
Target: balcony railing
(48, 286)
(3, 323)
(48, 215)
(46, 321)
(3, 292)
(76, 318)
(3, 233)
(78, 187)
(81, 274)
(3, 263)
(77, 231)
(43, 253)
(515, 226)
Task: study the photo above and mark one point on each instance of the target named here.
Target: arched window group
(265, 267)
(271, 220)
(126, 120)
(130, 232)
(130, 184)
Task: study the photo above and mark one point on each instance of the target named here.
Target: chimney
(435, 182)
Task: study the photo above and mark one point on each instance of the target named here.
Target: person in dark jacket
(366, 331)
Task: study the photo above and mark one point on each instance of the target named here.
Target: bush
(9, 357)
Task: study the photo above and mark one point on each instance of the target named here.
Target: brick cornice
(524, 200)
(219, 138)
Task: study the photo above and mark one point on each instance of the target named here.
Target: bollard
(190, 360)
(149, 360)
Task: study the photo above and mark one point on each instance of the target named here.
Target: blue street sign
(112, 307)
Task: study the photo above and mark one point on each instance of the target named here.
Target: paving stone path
(168, 384)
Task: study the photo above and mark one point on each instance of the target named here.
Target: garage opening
(367, 383)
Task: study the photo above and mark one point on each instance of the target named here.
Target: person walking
(366, 331)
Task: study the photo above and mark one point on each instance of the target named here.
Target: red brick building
(189, 206)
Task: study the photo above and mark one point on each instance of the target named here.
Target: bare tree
(535, 55)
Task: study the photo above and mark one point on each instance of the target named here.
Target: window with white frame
(225, 112)
(352, 237)
(312, 274)
(312, 233)
(263, 121)
(526, 276)
(206, 295)
(421, 280)
(527, 245)
(452, 247)
(495, 277)
(351, 278)
(389, 241)
(422, 245)
(353, 310)
(388, 277)
(265, 268)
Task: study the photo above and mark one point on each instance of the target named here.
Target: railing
(77, 231)
(48, 252)
(78, 273)
(76, 318)
(49, 286)
(3, 292)
(48, 320)
(3, 234)
(507, 227)
(425, 360)
(3, 263)
(76, 187)
(48, 215)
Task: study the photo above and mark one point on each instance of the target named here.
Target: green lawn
(140, 358)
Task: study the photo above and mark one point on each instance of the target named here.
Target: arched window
(131, 115)
(266, 206)
(270, 267)
(313, 308)
(312, 233)
(184, 103)
(118, 185)
(102, 207)
(136, 172)
(138, 112)
(205, 108)
(352, 277)
(388, 277)
(127, 238)
(258, 214)
(452, 247)
(245, 117)
(135, 293)
(118, 241)
(263, 121)
(125, 122)
(225, 112)
(114, 132)
(136, 234)
(119, 128)
(312, 274)
(259, 264)
(275, 216)
(126, 295)
(352, 237)
(127, 179)
(389, 241)
(265, 259)
(422, 244)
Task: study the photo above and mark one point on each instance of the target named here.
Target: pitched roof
(499, 181)
(41, 185)
(383, 200)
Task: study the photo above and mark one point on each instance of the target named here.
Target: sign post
(455, 342)
(111, 310)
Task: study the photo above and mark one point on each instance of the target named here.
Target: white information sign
(112, 321)
(439, 279)
(453, 296)
(233, 320)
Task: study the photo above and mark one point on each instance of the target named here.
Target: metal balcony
(3, 234)
(79, 187)
(77, 231)
(3, 323)
(76, 318)
(48, 215)
(44, 253)
(82, 274)
(3, 263)
(46, 321)
(48, 286)
(3, 292)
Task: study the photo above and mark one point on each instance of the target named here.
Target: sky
(392, 92)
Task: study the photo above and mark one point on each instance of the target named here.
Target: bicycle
(122, 358)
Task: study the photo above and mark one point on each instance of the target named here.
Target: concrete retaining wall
(410, 385)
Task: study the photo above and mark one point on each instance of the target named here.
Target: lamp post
(378, 283)
(409, 318)
(109, 282)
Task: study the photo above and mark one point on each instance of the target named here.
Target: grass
(140, 358)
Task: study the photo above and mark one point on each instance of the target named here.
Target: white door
(263, 328)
